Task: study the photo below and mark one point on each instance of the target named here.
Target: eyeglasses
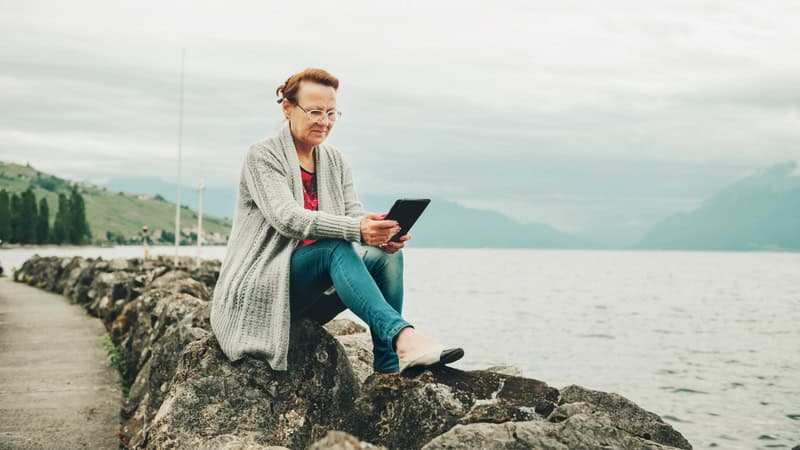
(317, 115)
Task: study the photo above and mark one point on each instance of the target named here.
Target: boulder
(109, 292)
(160, 324)
(579, 426)
(506, 370)
(358, 349)
(180, 281)
(210, 396)
(340, 440)
(626, 415)
(342, 327)
(436, 399)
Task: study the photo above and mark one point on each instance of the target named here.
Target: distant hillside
(760, 212)
(443, 224)
(448, 224)
(106, 210)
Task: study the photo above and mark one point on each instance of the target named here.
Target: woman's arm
(353, 206)
(268, 184)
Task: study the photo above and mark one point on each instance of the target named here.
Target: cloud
(517, 99)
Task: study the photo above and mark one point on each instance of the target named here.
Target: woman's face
(310, 96)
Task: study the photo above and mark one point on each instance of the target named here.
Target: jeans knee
(340, 245)
(394, 262)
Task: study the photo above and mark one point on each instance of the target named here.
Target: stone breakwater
(183, 393)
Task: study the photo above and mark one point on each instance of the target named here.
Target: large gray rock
(210, 396)
(582, 427)
(406, 411)
(109, 292)
(626, 415)
(180, 281)
(342, 327)
(358, 348)
(506, 370)
(169, 325)
(340, 440)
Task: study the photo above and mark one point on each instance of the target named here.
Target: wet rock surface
(184, 393)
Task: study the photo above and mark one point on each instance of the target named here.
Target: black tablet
(406, 211)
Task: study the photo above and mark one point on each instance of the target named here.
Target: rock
(506, 370)
(627, 416)
(106, 289)
(438, 398)
(340, 440)
(179, 281)
(358, 348)
(210, 396)
(342, 327)
(40, 272)
(117, 264)
(234, 442)
(163, 324)
(582, 428)
(79, 280)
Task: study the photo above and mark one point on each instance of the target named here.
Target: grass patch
(118, 360)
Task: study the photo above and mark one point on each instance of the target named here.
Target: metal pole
(178, 184)
(200, 190)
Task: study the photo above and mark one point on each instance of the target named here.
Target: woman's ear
(286, 106)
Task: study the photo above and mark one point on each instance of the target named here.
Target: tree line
(23, 220)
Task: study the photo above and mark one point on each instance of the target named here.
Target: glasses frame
(336, 114)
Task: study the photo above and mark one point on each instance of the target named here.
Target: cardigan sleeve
(353, 206)
(268, 185)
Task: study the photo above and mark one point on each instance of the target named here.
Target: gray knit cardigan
(250, 311)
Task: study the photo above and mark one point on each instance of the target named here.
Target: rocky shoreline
(182, 392)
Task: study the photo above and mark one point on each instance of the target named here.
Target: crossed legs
(371, 287)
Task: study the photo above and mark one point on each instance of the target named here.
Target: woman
(296, 250)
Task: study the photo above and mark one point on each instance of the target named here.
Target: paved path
(56, 389)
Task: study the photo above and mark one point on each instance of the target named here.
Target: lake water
(708, 341)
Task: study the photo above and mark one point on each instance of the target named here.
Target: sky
(598, 119)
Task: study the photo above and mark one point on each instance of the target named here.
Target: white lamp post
(180, 145)
(200, 190)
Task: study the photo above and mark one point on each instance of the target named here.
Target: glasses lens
(333, 115)
(316, 115)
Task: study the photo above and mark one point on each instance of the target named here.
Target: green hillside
(117, 212)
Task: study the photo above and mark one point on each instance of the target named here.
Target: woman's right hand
(376, 231)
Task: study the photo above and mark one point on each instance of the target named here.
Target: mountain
(443, 224)
(112, 211)
(760, 212)
(448, 224)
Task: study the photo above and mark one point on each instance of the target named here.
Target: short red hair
(291, 87)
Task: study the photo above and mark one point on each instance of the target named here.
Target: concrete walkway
(56, 388)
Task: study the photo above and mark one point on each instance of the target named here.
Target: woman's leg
(387, 271)
(333, 261)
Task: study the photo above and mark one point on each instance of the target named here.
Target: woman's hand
(375, 230)
(392, 247)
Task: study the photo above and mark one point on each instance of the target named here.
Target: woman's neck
(305, 152)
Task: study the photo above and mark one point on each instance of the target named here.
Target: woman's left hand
(392, 247)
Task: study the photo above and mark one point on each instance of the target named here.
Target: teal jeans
(371, 287)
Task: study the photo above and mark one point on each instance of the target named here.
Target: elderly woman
(303, 246)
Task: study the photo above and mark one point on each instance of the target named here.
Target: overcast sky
(561, 112)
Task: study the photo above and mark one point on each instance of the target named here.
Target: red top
(309, 196)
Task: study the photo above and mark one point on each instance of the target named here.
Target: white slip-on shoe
(438, 354)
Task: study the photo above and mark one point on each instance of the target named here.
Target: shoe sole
(450, 355)
(446, 357)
